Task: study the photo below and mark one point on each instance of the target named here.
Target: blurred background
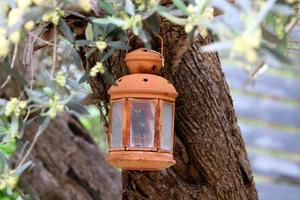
(268, 111)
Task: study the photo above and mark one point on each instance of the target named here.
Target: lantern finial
(144, 60)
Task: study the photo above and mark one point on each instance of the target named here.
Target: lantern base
(140, 160)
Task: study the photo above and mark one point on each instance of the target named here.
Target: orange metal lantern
(141, 119)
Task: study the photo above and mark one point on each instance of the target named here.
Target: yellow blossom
(4, 46)
(208, 13)
(29, 25)
(42, 2)
(47, 17)
(136, 20)
(15, 37)
(198, 18)
(191, 9)
(60, 78)
(15, 106)
(4, 7)
(8, 179)
(85, 5)
(101, 45)
(203, 32)
(24, 4)
(14, 16)
(55, 106)
(188, 28)
(153, 2)
(132, 22)
(247, 43)
(98, 68)
(251, 55)
(55, 19)
(3, 32)
(53, 16)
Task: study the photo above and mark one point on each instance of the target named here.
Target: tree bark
(68, 164)
(209, 150)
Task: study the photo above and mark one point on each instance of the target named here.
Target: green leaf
(76, 106)
(109, 20)
(277, 55)
(65, 29)
(118, 45)
(48, 91)
(66, 100)
(4, 121)
(270, 37)
(76, 56)
(84, 42)
(129, 7)
(33, 13)
(13, 72)
(264, 11)
(107, 55)
(149, 12)
(179, 4)
(85, 77)
(3, 162)
(23, 168)
(107, 7)
(43, 125)
(14, 125)
(89, 35)
(144, 36)
(90, 52)
(76, 14)
(35, 96)
(77, 86)
(8, 147)
(216, 46)
(109, 78)
(153, 24)
(165, 13)
(3, 130)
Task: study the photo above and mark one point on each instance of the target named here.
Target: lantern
(141, 118)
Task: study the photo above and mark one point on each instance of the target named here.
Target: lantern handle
(161, 43)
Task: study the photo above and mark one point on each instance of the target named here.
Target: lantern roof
(143, 86)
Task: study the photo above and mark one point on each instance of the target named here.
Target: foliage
(252, 34)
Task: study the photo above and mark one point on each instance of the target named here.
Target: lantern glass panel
(142, 123)
(167, 126)
(116, 124)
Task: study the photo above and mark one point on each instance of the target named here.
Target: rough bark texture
(69, 165)
(209, 150)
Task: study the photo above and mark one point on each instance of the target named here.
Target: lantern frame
(126, 120)
(142, 88)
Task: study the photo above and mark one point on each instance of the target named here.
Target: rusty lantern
(141, 119)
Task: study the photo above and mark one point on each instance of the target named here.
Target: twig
(38, 38)
(29, 149)
(39, 132)
(11, 66)
(54, 58)
(54, 45)
(291, 25)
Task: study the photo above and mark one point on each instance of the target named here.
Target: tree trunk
(209, 150)
(68, 165)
